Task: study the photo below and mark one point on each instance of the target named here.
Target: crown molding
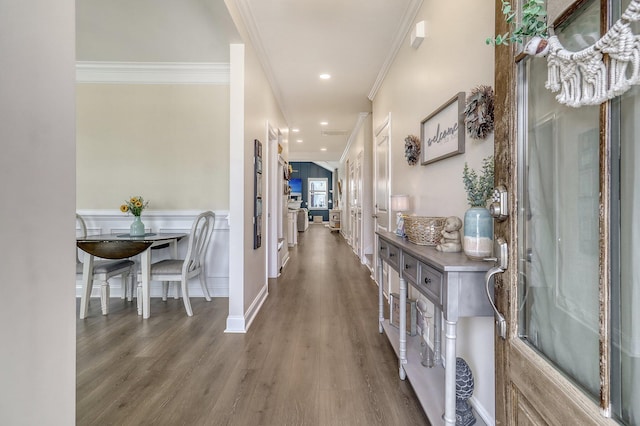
(249, 21)
(403, 29)
(354, 133)
(152, 72)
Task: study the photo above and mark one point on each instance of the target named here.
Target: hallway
(313, 355)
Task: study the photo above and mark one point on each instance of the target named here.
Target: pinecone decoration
(464, 390)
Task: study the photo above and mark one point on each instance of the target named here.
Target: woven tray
(423, 230)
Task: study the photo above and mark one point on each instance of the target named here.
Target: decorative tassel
(582, 78)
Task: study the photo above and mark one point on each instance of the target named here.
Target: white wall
(253, 108)
(129, 137)
(452, 58)
(37, 189)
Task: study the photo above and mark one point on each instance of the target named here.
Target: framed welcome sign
(442, 132)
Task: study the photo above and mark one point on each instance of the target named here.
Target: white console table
(455, 286)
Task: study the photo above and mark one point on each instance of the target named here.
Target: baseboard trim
(256, 305)
(235, 324)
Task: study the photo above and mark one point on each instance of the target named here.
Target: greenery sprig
(135, 205)
(533, 22)
(479, 187)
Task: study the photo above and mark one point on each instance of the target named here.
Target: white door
(382, 139)
(358, 208)
(353, 207)
(571, 353)
(274, 199)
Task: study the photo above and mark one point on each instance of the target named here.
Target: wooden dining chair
(103, 270)
(181, 270)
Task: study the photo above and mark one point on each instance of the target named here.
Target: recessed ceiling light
(323, 149)
(299, 140)
(324, 123)
(325, 76)
(295, 130)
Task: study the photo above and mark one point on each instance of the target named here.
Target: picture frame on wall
(442, 133)
(257, 205)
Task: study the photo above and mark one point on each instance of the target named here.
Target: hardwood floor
(313, 355)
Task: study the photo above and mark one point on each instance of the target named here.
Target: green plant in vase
(478, 223)
(532, 25)
(479, 187)
(135, 206)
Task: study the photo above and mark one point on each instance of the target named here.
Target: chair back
(83, 233)
(199, 238)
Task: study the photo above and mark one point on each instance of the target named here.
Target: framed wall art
(442, 132)
(257, 182)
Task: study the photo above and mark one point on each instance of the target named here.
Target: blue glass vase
(137, 227)
(478, 233)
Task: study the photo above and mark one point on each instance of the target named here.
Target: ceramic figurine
(451, 241)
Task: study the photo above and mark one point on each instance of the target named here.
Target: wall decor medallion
(412, 149)
(478, 114)
(441, 133)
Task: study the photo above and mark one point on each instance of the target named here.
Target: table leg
(87, 284)
(437, 335)
(403, 327)
(450, 373)
(146, 297)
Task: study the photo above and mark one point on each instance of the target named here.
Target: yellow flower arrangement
(135, 205)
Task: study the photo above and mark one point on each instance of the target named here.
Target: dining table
(122, 246)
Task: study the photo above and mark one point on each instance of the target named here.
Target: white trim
(406, 25)
(244, 8)
(235, 324)
(361, 117)
(240, 324)
(152, 72)
(481, 411)
(155, 216)
(257, 303)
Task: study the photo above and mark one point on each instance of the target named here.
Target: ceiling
(297, 40)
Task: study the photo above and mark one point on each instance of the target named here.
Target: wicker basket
(424, 231)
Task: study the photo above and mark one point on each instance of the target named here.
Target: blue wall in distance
(305, 170)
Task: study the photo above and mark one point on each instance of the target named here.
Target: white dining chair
(103, 270)
(181, 270)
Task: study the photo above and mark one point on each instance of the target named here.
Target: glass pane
(626, 335)
(558, 220)
(318, 193)
(318, 185)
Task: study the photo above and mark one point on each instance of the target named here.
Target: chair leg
(205, 290)
(139, 297)
(104, 297)
(131, 284)
(124, 279)
(165, 290)
(185, 297)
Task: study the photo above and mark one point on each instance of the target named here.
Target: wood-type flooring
(313, 355)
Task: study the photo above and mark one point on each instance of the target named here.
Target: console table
(455, 285)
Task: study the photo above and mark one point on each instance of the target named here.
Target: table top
(121, 246)
(448, 262)
(149, 236)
